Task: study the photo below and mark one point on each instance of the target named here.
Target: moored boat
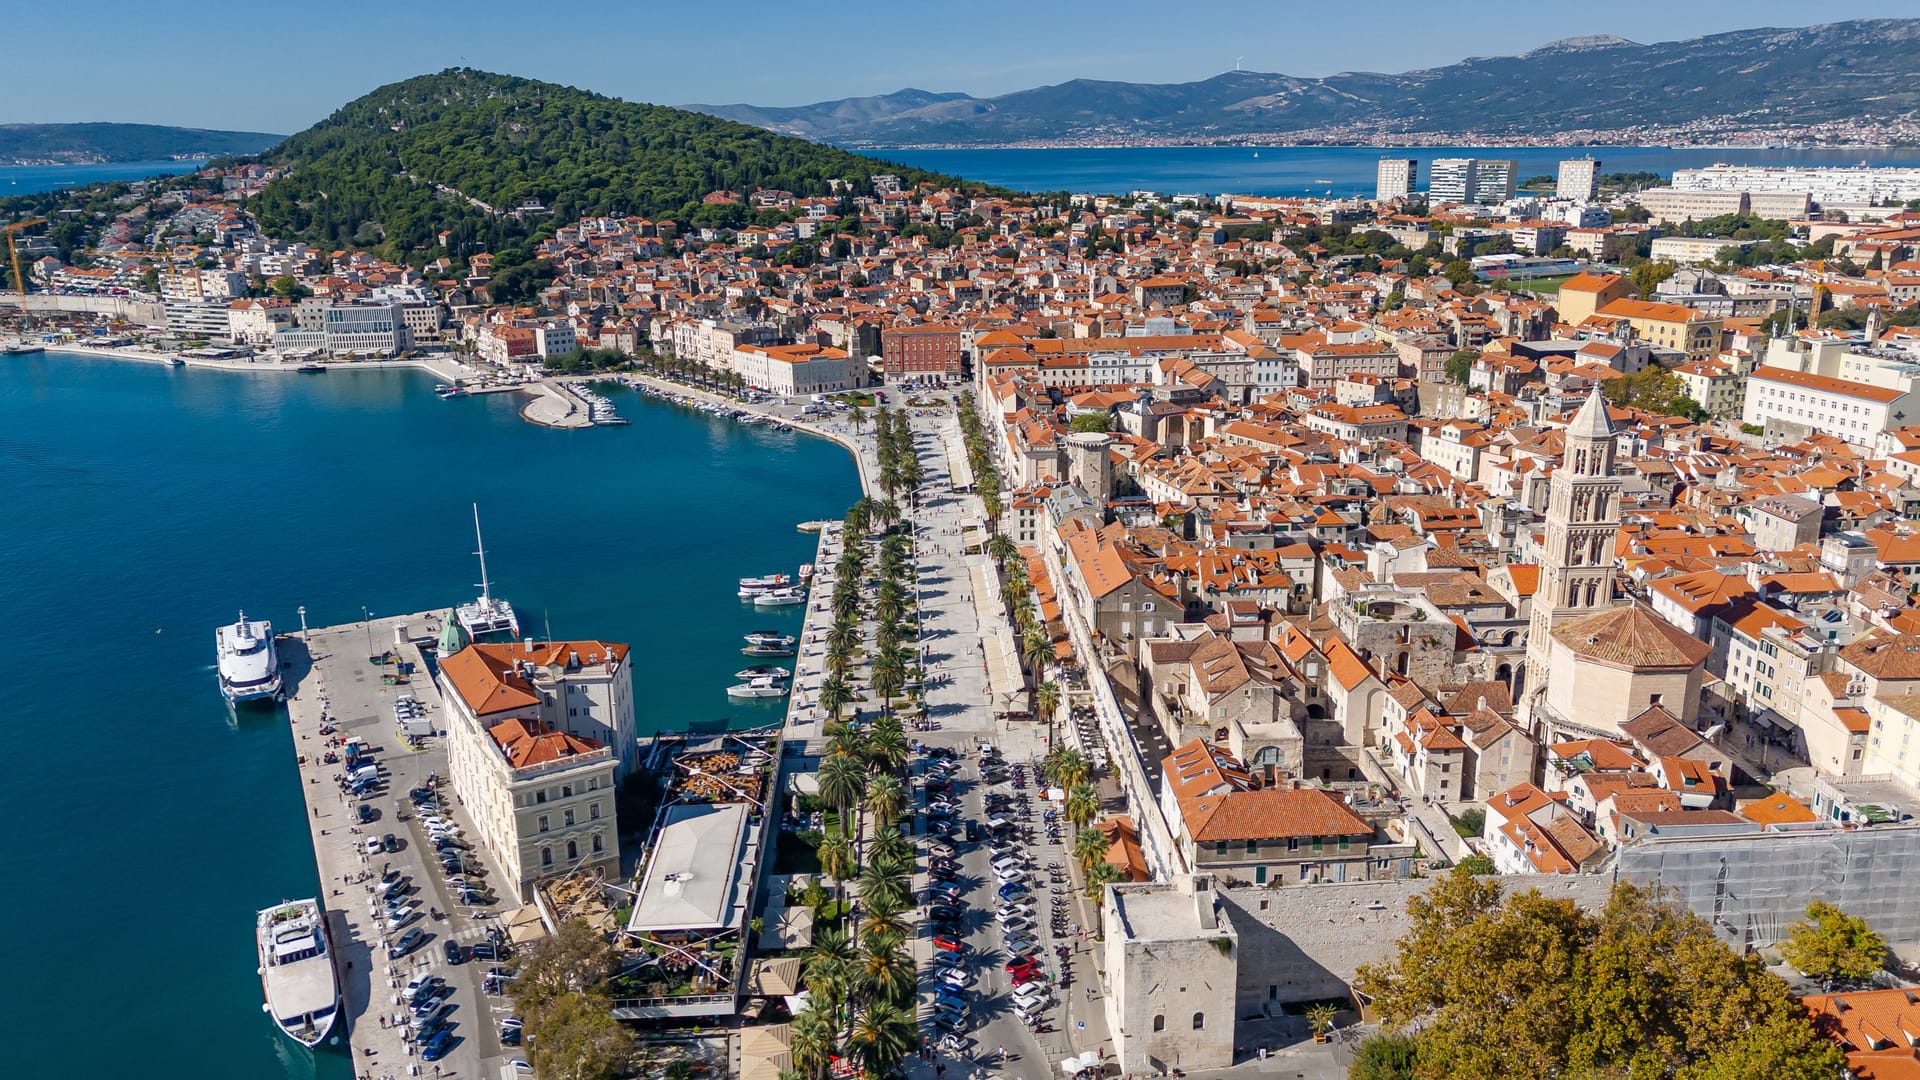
(296, 970)
(770, 637)
(780, 598)
(489, 614)
(248, 664)
(754, 586)
(764, 671)
(768, 650)
(758, 688)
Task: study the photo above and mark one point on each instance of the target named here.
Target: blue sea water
(140, 506)
(33, 179)
(1315, 170)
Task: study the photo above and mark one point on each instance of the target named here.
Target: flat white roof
(694, 874)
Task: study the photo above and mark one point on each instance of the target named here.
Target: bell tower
(1583, 522)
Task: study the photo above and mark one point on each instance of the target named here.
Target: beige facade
(542, 800)
(1172, 965)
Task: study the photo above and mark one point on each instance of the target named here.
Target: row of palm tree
(894, 451)
(1068, 768)
(986, 477)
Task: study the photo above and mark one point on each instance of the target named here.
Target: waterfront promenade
(331, 679)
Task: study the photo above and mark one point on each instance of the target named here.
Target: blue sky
(272, 65)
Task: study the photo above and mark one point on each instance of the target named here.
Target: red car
(947, 944)
(1027, 975)
(1021, 964)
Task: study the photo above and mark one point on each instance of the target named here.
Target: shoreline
(446, 369)
(851, 444)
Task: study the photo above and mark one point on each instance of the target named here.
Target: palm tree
(886, 797)
(849, 742)
(829, 967)
(881, 921)
(889, 847)
(1103, 874)
(1083, 805)
(888, 607)
(888, 970)
(846, 605)
(1047, 697)
(844, 632)
(1037, 651)
(836, 857)
(889, 676)
(1089, 848)
(887, 749)
(881, 1037)
(812, 1044)
(1068, 767)
(886, 512)
(842, 779)
(839, 658)
(859, 417)
(899, 545)
(835, 694)
(880, 884)
(1001, 548)
(889, 478)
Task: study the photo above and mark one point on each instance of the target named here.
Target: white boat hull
(756, 691)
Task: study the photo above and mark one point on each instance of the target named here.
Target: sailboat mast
(486, 594)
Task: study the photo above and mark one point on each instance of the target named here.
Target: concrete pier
(330, 678)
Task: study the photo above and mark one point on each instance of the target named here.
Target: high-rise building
(1450, 180)
(1579, 180)
(1397, 178)
(1494, 181)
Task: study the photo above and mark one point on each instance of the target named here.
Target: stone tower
(1090, 463)
(1583, 521)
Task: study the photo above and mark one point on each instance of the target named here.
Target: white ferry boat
(296, 970)
(489, 614)
(248, 663)
(758, 688)
(780, 598)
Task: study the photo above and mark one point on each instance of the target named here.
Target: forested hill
(91, 143)
(457, 150)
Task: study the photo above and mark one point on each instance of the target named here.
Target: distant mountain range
(1866, 70)
(86, 144)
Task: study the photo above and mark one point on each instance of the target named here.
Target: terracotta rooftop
(1629, 637)
(1268, 814)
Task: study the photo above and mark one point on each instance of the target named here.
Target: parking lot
(393, 907)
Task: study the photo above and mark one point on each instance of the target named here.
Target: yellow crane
(13, 250)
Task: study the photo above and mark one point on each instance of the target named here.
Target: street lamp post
(302, 609)
(366, 619)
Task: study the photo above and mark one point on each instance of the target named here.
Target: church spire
(1592, 421)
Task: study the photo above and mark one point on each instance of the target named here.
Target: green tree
(289, 288)
(882, 1035)
(1526, 985)
(1386, 1056)
(1648, 276)
(1094, 421)
(575, 1037)
(1831, 944)
(574, 959)
(1046, 697)
(836, 856)
(1101, 875)
(886, 800)
(843, 779)
(1083, 805)
(888, 970)
(1460, 365)
(1477, 864)
(1459, 272)
(812, 1044)
(830, 968)
(1090, 848)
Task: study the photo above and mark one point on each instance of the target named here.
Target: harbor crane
(13, 251)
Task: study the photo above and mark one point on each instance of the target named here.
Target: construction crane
(13, 251)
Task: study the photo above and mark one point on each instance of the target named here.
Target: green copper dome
(453, 636)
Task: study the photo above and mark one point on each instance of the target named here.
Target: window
(593, 812)
(1253, 846)
(566, 792)
(1159, 1023)
(1199, 1021)
(568, 820)
(1220, 847)
(573, 850)
(543, 823)
(540, 796)
(546, 856)
(598, 844)
(1260, 876)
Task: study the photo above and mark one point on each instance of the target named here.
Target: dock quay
(334, 680)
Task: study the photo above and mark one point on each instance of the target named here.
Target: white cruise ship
(296, 970)
(248, 663)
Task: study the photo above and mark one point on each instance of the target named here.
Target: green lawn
(1546, 286)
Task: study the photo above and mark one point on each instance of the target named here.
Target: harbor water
(145, 505)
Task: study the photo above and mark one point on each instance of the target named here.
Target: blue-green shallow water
(140, 506)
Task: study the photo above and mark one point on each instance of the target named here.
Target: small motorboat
(758, 688)
(781, 598)
(768, 650)
(769, 637)
(754, 586)
(763, 671)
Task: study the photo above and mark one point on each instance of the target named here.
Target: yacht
(757, 688)
(296, 970)
(768, 650)
(248, 663)
(489, 614)
(754, 586)
(780, 598)
(770, 637)
(764, 671)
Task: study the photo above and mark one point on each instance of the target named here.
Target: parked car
(408, 942)
(1011, 889)
(950, 944)
(389, 843)
(437, 1047)
(455, 954)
